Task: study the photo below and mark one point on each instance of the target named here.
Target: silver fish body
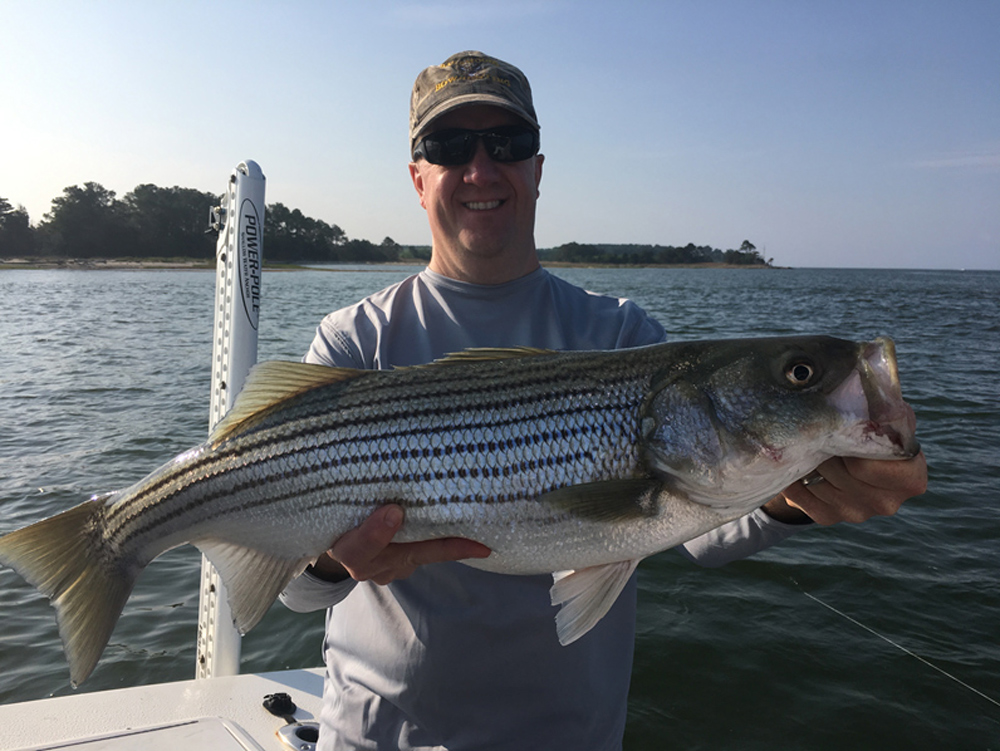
(580, 462)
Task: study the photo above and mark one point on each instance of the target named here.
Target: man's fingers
(368, 552)
(400, 559)
(906, 477)
(440, 551)
(857, 489)
(360, 546)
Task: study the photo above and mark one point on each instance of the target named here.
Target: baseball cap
(468, 78)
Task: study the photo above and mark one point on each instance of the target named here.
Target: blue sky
(827, 133)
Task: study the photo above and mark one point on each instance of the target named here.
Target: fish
(579, 464)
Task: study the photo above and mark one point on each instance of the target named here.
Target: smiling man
(482, 216)
(426, 653)
(480, 202)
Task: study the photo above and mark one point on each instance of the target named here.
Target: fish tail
(86, 583)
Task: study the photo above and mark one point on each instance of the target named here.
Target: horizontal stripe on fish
(458, 418)
(398, 486)
(339, 491)
(579, 425)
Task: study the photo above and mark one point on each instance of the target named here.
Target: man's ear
(539, 158)
(418, 181)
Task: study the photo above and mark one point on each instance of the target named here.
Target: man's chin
(484, 244)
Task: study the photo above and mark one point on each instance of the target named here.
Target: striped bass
(573, 463)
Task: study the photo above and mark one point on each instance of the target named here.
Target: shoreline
(194, 264)
(105, 264)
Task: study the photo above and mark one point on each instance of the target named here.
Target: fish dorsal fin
(485, 354)
(275, 381)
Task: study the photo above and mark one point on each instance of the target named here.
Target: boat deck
(221, 714)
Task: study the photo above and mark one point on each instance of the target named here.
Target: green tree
(87, 222)
(170, 222)
(415, 253)
(747, 255)
(291, 236)
(364, 251)
(17, 236)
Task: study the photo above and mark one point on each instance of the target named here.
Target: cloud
(983, 159)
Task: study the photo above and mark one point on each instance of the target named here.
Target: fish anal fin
(609, 500)
(585, 596)
(253, 579)
(87, 589)
(272, 382)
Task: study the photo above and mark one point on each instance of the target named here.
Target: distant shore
(105, 264)
(194, 264)
(564, 264)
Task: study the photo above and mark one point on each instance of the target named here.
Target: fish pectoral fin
(608, 500)
(585, 596)
(275, 381)
(253, 579)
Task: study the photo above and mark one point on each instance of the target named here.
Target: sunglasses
(455, 146)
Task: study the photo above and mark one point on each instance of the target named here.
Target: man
(423, 652)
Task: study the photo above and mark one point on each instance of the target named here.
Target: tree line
(650, 255)
(154, 222)
(89, 221)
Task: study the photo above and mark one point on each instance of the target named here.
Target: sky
(853, 134)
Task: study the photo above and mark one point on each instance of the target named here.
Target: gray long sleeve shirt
(457, 658)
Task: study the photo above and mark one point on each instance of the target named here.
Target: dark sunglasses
(455, 146)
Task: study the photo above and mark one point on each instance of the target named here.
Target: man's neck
(484, 270)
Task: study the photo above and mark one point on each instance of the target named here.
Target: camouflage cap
(468, 78)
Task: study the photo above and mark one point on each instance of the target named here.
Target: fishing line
(898, 646)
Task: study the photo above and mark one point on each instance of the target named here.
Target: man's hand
(854, 490)
(368, 552)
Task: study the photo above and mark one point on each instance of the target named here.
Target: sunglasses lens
(514, 144)
(457, 146)
(449, 147)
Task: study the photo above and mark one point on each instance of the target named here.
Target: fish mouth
(872, 399)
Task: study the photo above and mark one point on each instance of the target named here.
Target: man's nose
(481, 168)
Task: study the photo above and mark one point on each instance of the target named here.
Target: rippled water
(104, 375)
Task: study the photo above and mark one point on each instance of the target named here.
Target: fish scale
(578, 461)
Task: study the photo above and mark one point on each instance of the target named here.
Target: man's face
(481, 214)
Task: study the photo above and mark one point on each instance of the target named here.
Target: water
(104, 375)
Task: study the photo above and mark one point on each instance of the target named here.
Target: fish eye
(800, 373)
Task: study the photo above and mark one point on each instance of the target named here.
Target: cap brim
(467, 100)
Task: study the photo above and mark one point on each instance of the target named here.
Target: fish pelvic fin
(253, 579)
(86, 586)
(585, 596)
(272, 382)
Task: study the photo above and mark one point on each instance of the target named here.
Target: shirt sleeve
(641, 328)
(306, 593)
(330, 347)
(738, 539)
